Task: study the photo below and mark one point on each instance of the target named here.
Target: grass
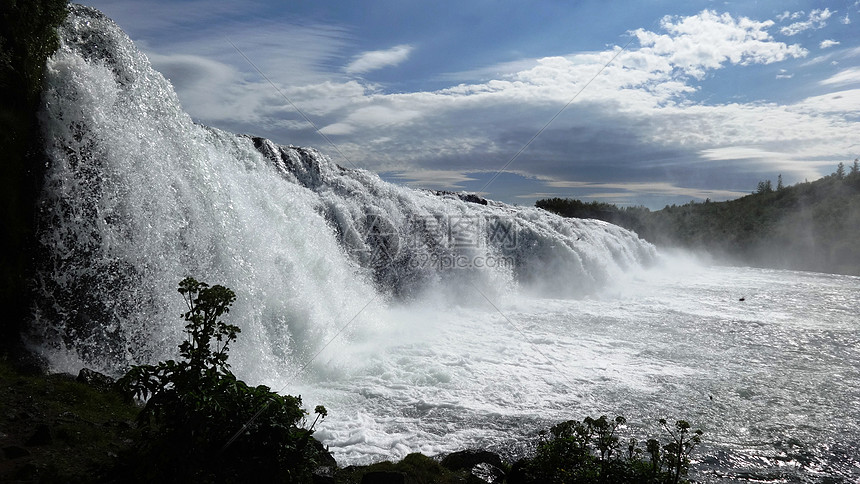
(55, 429)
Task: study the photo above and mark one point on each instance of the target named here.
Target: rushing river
(772, 379)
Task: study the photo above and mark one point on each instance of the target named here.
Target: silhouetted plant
(677, 452)
(589, 451)
(196, 406)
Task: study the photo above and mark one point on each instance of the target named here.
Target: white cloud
(644, 188)
(817, 19)
(370, 117)
(786, 15)
(708, 40)
(377, 59)
(200, 79)
(494, 71)
(438, 179)
(847, 76)
(840, 54)
(740, 153)
(268, 44)
(467, 124)
(800, 165)
(246, 99)
(828, 43)
(783, 74)
(847, 101)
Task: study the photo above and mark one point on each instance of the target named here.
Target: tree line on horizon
(811, 226)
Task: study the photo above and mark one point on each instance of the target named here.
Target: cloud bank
(640, 131)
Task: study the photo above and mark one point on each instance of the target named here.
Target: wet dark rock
(68, 417)
(15, 452)
(322, 478)
(384, 477)
(324, 457)
(466, 197)
(484, 465)
(41, 436)
(29, 363)
(472, 198)
(97, 380)
(325, 471)
(485, 472)
(467, 459)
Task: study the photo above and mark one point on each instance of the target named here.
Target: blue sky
(666, 102)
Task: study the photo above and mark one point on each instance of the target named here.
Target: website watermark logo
(459, 261)
(456, 241)
(381, 240)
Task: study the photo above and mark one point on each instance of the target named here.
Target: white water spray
(138, 196)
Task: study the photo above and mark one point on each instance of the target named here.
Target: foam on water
(772, 380)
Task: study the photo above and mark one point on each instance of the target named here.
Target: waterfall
(137, 196)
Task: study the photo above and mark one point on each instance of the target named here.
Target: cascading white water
(138, 196)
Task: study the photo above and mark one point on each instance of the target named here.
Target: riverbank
(65, 428)
(54, 428)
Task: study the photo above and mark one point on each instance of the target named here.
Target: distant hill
(811, 226)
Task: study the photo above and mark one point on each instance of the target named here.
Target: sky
(626, 102)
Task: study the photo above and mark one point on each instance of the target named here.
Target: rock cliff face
(27, 38)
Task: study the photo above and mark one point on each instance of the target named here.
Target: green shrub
(196, 407)
(591, 451)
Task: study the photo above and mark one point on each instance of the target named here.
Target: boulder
(482, 465)
(384, 477)
(323, 456)
(15, 452)
(42, 436)
(468, 459)
(97, 380)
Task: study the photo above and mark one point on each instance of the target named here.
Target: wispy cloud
(648, 188)
(817, 19)
(847, 76)
(833, 56)
(845, 102)
(786, 15)
(158, 16)
(828, 43)
(377, 59)
(783, 74)
(801, 165)
(443, 179)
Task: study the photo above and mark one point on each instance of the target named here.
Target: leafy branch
(195, 405)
